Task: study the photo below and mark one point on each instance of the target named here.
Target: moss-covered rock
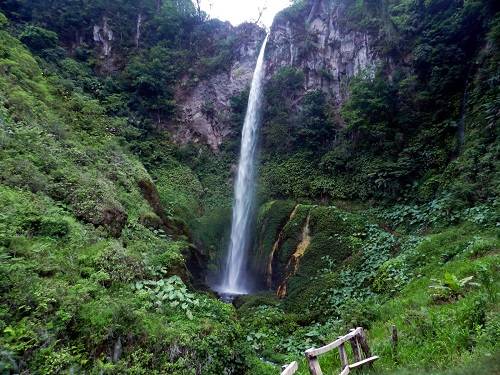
(284, 259)
(272, 217)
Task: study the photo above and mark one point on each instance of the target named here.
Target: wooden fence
(360, 349)
(290, 369)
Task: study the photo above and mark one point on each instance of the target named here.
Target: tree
(282, 96)
(315, 130)
(38, 39)
(150, 78)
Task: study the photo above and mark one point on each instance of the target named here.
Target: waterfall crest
(235, 279)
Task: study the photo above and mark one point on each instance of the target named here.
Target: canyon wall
(317, 39)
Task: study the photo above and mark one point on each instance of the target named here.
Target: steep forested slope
(119, 131)
(381, 130)
(93, 262)
(423, 96)
(407, 115)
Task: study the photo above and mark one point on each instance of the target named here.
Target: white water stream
(235, 279)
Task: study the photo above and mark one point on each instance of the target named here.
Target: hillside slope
(93, 267)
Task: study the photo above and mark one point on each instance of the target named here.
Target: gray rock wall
(205, 110)
(320, 42)
(317, 39)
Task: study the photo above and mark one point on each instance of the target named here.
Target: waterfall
(235, 279)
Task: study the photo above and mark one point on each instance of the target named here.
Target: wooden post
(359, 344)
(290, 369)
(355, 349)
(314, 367)
(343, 357)
(364, 344)
(394, 336)
(394, 342)
(313, 363)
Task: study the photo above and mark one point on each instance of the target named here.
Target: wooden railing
(360, 349)
(290, 369)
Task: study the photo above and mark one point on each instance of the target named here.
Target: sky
(239, 11)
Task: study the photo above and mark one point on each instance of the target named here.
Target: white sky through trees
(239, 11)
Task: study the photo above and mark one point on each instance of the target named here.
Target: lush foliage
(401, 132)
(90, 248)
(440, 290)
(107, 226)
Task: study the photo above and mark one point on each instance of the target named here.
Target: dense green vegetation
(400, 134)
(359, 271)
(108, 228)
(91, 251)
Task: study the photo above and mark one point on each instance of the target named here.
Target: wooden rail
(290, 369)
(360, 349)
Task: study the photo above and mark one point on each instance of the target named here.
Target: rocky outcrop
(171, 226)
(205, 109)
(103, 35)
(293, 246)
(318, 40)
(103, 38)
(293, 263)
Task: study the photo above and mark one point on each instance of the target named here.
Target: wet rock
(103, 37)
(205, 109)
(326, 48)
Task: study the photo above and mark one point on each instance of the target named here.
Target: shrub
(119, 265)
(492, 327)
(451, 287)
(391, 277)
(56, 361)
(171, 292)
(38, 39)
(479, 246)
(8, 361)
(3, 20)
(421, 322)
(358, 314)
(151, 220)
(23, 173)
(49, 227)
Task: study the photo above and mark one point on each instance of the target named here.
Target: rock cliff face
(103, 38)
(103, 35)
(317, 39)
(205, 110)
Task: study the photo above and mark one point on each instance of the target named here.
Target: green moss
(245, 304)
(303, 290)
(335, 236)
(272, 218)
(292, 235)
(211, 231)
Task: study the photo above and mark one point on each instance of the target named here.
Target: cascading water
(235, 279)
